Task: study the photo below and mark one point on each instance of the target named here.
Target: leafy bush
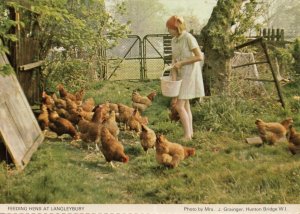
(73, 73)
(285, 59)
(5, 25)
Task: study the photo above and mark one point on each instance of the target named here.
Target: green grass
(224, 170)
(130, 69)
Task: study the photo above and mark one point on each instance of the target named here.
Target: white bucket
(169, 88)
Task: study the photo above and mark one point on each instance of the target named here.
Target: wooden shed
(25, 52)
(19, 131)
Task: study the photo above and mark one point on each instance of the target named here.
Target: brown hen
(272, 132)
(147, 137)
(63, 93)
(125, 113)
(111, 124)
(170, 154)
(111, 148)
(152, 95)
(47, 100)
(173, 115)
(90, 131)
(137, 98)
(142, 102)
(59, 103)
(88, 104)
(294, 141)
(62, 126)
(43, 118)
(79, 96)
(136, 120)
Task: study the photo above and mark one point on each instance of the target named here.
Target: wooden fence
(272, 34)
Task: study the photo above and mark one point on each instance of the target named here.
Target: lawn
(225, 168)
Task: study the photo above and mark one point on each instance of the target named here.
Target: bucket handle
(167, 68)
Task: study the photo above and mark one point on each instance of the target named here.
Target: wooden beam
(252, 42)
(32, 149)
(265, 49)
(31, 66)
(248, 64)
(260, 80)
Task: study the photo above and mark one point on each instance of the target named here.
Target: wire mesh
(124, 60)
(254, 80)
(133, 58)
(154, 55)
(242, 79)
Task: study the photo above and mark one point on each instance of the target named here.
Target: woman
(186, 57)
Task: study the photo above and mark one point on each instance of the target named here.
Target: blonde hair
(176, 23)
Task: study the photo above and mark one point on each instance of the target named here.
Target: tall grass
(225, 169)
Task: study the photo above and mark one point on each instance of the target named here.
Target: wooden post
(282, 35)
(273, 34)
(260, 32)
(18, 34)
(269, 34)
(264, 33)
(277, 85)
(278, 34)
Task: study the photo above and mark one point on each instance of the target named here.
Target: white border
(149, 208)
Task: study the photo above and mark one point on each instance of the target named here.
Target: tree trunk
(218, 46)
(216, 73)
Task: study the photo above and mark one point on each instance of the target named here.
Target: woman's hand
(198, 56)
(177, 65)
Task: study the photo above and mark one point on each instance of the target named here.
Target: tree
(5, 25)
(82, 28)
(72, 23)
(226, 28)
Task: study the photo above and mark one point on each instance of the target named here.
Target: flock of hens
(274, 132)
(98, 125)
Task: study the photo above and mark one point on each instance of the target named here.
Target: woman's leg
(189, 112)
(184, 117)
